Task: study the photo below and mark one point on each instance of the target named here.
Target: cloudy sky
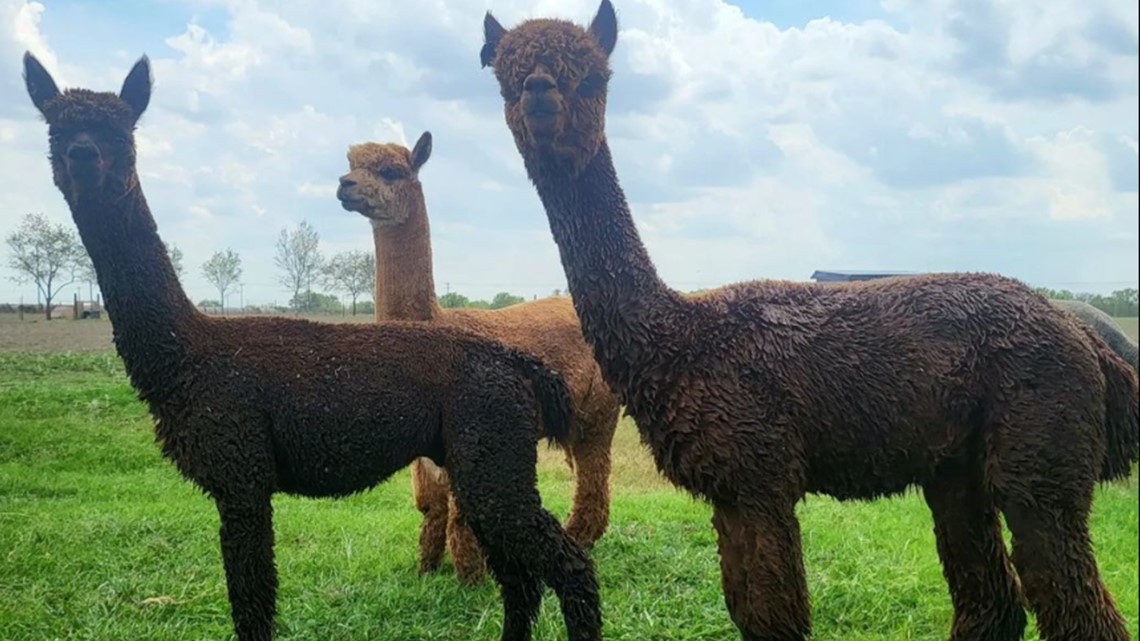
(754, 139)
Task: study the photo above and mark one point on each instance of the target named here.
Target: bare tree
(44, 254)
(299, 258)
(352, 272)
(85, 272)
(223, 271)
(175, 259)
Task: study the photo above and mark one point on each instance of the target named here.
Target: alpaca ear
(493, 32)
(136, 87)
(41, 87)
(422, 151)
(604, 27)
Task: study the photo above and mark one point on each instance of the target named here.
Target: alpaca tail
(553, 395)
(1122, 415)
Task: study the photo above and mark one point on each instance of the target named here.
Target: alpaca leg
(430, 491)
(983, 588)
(532, 548)
(590, 514)
(251, 576)
(1053, 554)
(762, 572)
(495, 490)
(470, 563)
(522, 597)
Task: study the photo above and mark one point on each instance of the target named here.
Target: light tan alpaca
(383, 185)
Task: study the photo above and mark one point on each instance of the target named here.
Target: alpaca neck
(405, 288)
(624, 307)
(151, 316)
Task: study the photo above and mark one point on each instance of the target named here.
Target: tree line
(51, 257)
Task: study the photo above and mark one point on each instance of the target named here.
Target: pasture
(100, 538)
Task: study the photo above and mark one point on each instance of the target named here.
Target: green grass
(101, 539)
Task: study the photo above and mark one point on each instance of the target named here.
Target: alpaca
(750, 396)
(246, 408)
(1105, 326)
(383, 185)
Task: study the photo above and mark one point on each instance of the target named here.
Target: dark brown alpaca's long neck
(625, 309)
(405, 287)
(150, 314)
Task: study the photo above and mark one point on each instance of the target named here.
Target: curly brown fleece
(246, 408)
(383, 185)
(969, 385)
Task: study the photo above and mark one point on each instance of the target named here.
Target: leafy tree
(223, 271)
(44, 254)
(299, 259)
(453, 300)
(317, 302)
(352, 272)
(505, 299)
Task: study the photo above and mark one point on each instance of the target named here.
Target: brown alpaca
(383, 185)
(750, 396)
(247, 408)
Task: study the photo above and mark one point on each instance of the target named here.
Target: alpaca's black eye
(391, 173)
(591, 85)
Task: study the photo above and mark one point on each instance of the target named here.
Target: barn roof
(848, 275)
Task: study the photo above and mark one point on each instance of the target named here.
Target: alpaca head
(383, 180)
(91, 134)
(553, 77)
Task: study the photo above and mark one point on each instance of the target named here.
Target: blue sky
(754, 139)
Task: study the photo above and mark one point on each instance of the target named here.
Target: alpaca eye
(391, 173)
(591, 85)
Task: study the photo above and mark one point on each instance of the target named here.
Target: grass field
(101, 539)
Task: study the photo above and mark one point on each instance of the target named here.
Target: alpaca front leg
(762, 572)
(590, 514)
(251, 576)
(430, 493)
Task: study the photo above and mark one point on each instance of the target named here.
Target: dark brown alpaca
(750, 396)
(247, 408)
(383, 185)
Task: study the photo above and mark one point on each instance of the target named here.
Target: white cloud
(941, 134)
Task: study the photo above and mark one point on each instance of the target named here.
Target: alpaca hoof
(427, 567)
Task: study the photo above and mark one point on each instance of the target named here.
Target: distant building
(846, 276)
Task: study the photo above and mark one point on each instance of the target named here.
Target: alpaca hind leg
(430, 493)
(494, 488)
(534, 545)
(985, 592)
(590, 514)
(762, 572)
(1053, 554)
(251, 576)
(522, 597)
(470, 562)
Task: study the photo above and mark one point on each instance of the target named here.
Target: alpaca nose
(538, 83)
(83, 151)
(346, 181)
